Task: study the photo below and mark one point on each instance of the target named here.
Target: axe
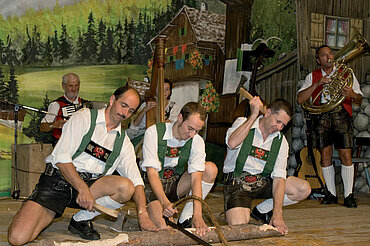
(247, 95)
(120, 215)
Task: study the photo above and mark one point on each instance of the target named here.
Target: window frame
(336, 34)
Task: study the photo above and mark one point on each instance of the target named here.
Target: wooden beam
(175, 237)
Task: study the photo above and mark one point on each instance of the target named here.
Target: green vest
(162, 147)
(246, 148)
(86, 139)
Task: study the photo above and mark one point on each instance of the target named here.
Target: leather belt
(52, 171)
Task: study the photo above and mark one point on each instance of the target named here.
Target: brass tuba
(332, 91)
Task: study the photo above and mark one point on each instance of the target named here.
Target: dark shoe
(84, 228)
(350, 201)
(264, 218)
(188, 223)
(329, 199)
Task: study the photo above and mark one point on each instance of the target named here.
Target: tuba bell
(342, 77)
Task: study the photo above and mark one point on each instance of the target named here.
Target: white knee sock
(105, 201)
(267, 205)
(347, 173)
(329, 176)
(187, 212)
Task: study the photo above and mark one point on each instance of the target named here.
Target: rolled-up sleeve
(127, 166)
(307, 83)
(73, 131)
(150, 149)
(197, 156)
(238, 122)
(52, 111)
(281, 161)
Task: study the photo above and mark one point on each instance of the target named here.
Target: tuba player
(333, 127)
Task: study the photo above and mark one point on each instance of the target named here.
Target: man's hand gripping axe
(120, 215)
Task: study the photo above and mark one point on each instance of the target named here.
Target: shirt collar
(332, 72)
(76, 101)
(100, 119)
(168, 134)
(256, 125)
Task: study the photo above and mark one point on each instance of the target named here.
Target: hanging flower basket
(195, 60)
(210, 98)
(150, 68)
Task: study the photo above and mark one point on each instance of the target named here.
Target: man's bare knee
(237, 216)
(30, 220)
(16, 237)
(303, 190)
(298, 189)
(210, 172)
(124, 190)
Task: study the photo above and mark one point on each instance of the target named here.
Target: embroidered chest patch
(97, 151)
(172, 152)
(259, 153)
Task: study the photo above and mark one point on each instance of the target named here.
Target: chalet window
(336, 31)
(170, 58)
(182, 31)
(206, 59)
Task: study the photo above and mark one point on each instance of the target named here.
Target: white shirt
(134, 131)
(74, 130)
(254, 165)
(308, 82)
(53, 109)
(150, 150)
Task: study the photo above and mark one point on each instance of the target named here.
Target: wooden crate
(30, 164)
(26, 182)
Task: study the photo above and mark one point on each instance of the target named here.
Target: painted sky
(19, 7)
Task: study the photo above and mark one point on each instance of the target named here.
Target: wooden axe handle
(247, 95)
(111, 212)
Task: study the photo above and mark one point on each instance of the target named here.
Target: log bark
(175, 237)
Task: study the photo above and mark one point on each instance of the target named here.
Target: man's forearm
(306, 93)
(357, 99)
(278, 190)
(46, 127)
(156, 185)
(71, 175)
(196, 186)
(238, 136)
(139, 198)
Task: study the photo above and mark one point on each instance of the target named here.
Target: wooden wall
(279, 80)
(358, 11)
(219, 122)
(238, 26)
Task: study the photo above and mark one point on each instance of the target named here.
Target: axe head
(121, 219)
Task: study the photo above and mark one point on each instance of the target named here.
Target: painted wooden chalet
(194, 31)
(330, 22)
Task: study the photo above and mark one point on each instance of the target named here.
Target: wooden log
(175, 237)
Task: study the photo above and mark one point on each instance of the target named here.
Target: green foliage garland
(210, 98)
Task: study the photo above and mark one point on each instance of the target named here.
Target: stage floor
(309, 223)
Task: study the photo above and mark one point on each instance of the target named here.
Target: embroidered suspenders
(247, 148)
(182, 152)
(97, 151)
